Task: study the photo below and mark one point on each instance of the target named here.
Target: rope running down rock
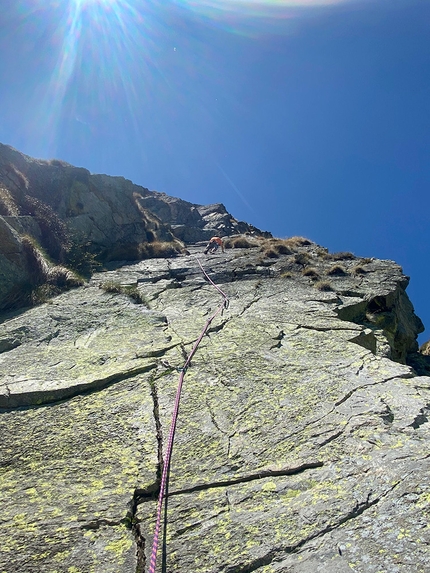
(163, 485)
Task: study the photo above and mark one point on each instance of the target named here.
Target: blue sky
(304, 118)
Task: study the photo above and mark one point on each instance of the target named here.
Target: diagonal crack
(248, 305)
(218, 327)
(55, 395)
(273, 554)
(351, 392)
(157, 353)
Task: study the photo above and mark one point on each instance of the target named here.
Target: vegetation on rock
(129, 290)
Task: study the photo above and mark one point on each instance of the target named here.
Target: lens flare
(109, 51)
(96, 42)
(251, 8)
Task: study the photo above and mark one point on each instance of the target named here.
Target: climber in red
(213, 245)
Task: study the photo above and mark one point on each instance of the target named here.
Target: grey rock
(302, 440)
(110, 216)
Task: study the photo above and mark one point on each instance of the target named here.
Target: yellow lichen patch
(424, 500)
(62, 555)
(120, 545)
(269, 486)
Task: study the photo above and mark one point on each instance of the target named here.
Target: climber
(213, 245)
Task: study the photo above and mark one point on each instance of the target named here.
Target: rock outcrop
(60, 207)
(302, 442)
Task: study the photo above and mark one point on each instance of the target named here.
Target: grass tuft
(270, 253)
(323, 286)
(337, 270)
(295, 242)
(340, 256)
(310, 272)
(8, 206)
(241, 242)
(45, 279)
(128, 290)
(138, 252)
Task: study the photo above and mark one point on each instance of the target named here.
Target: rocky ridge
(302, 442)
(58, 214)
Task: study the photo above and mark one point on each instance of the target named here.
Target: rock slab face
(302, 440)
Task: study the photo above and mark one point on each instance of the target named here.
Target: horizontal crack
(252, 477)
(327, 328)
(97, 523)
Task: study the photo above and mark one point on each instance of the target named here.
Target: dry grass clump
(159, 249)
(8, 206)
(337, 270)
(63, 277)
(45, 279)
(241, 242)
(340, 256)
(279, 246)
(294, 242)
(358, 270)
(43, 272)
(310, 272)
(270, 253)
(128, 290)
(37, 261)
(323, 286)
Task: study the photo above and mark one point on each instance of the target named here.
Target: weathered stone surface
(108, 210)
(110, 216)
(69, 473)
(13, 264)
(301, 446)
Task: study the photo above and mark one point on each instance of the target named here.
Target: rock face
(52, 201)
(302, 441)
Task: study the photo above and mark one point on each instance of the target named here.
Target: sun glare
(96, 40)
(83, 3)
(108, 47)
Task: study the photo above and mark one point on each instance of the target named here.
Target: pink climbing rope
(224, 304)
